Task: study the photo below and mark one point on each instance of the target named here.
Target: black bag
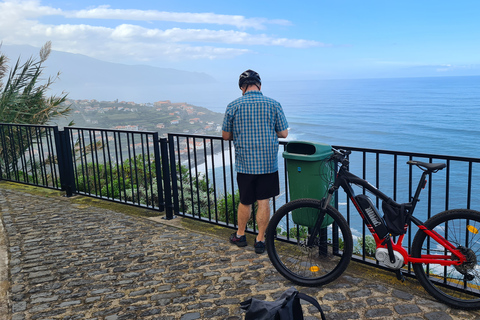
(395, 218)
(286, 308)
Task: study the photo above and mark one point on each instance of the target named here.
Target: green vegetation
(23, 100)
(370, 246)
(296, 232)
(195, 192)
(128, 181)
(134, 181)
(228, 206)
(23, 96)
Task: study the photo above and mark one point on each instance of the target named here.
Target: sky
(282, 40)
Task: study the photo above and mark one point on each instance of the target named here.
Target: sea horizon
(434, 115)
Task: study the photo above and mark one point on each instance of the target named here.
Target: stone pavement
(82, 258)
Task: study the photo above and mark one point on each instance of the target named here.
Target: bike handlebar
(340, 155)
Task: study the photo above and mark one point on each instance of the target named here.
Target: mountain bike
(317, 250)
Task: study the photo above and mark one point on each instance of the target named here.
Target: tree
(23, 100)
(23, 97)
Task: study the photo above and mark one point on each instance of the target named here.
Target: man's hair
(248, 78)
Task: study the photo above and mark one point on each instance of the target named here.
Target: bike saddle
(433, 167)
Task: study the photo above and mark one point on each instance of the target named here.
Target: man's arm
(282, 134)
(227, 135)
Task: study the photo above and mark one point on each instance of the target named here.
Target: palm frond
(24, 96)
(3, 68)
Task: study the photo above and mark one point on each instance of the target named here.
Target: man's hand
(227, 135)
(282, 134)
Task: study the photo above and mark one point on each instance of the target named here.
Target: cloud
(452, 68)
(440, 68)
(105, 12)
(25, 9)
(24, 22)
(127, 32)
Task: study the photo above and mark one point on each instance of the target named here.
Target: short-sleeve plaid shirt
(254, 121)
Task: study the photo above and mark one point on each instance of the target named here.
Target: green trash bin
(307, 173)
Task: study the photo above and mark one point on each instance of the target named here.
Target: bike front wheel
(457, 286)
(305, 254)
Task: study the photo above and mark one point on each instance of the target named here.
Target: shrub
(370, 246)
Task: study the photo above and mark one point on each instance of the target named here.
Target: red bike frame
(345, 178)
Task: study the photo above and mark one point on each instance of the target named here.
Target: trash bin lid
(307, 151)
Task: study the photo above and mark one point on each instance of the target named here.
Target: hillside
(88, 78)
(162, 116)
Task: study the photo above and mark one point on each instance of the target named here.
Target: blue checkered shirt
(254, 120)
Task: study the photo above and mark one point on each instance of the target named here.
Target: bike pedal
(400, 275)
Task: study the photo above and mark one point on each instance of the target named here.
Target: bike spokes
(455, 283)
(305, 252)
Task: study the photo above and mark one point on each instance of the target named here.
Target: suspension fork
(318, 224)
(339, 180)
(325, 201)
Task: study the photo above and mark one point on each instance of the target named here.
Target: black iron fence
(117, 165)
(29, 154)
(193, 175)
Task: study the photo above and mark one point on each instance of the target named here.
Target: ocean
(438, 115)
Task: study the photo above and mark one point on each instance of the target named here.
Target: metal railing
(194, 176)
(29, 154)
(208, 190)
(206, 181)
(117, 165)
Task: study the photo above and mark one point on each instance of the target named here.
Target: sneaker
(259, 246)
(241, 242)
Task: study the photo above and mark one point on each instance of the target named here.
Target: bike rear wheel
(457, 286)
(314, 264)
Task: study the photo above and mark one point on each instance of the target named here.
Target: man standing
(254, 123)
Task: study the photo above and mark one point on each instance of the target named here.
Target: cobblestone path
(75, 261)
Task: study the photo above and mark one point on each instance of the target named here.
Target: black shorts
(253, 187)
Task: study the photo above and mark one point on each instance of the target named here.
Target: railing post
(158, 155)
(173, 172)
(166, 179)
(4, 150)
(65, 162)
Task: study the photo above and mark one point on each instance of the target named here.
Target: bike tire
(319, 264)
(448, 284)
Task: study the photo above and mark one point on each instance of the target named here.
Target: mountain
(88, 78)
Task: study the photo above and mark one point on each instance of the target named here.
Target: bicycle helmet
(249, 77)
